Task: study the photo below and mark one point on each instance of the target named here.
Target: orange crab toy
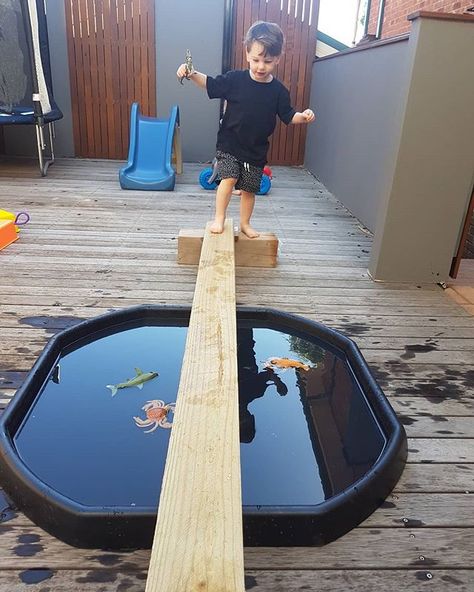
(156, 415)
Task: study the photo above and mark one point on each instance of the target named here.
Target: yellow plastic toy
(19, 219)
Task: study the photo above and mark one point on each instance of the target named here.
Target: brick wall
(396, 12)
(469, 247)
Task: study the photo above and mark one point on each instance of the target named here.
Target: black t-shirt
(250, 116)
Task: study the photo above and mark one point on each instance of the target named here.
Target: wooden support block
(249, 252)
(256, 252)
(198, 542)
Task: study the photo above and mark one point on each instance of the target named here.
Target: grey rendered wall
(421, 216)
(64, 143)
(356, 97)
(180, 24)
(198, 26)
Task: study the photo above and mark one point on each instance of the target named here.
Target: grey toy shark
(137, 381)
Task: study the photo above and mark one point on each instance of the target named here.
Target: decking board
(91, 247)
(113, 579)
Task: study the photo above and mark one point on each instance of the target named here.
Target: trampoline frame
(44, 164)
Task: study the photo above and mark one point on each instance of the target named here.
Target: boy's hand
(308, 115)
(197, 77)
(182, 71)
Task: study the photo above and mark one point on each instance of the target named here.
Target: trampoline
(26, 96)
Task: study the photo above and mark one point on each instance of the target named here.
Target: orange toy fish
(285, 363)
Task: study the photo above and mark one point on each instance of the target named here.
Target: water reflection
(305, 434)
(323, 435)
(340, 424)
(253, 383)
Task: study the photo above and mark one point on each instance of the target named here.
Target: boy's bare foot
(249, 231)
(217, 227)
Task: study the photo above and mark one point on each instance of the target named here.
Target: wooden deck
(91, 247)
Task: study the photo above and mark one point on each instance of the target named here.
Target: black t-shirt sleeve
(285, 110)
(220, 86)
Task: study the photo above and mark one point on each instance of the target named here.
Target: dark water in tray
(306, 434)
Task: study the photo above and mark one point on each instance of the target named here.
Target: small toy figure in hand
(254, 99)
(188, 65)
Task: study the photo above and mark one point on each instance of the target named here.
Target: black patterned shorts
(248, 175)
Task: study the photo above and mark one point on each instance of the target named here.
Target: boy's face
(261, 66)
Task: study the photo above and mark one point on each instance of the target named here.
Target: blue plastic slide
(149, 152)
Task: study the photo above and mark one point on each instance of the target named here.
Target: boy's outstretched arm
(197, 77)
(307, 116)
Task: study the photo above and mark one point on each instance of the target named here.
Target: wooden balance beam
(249, 252)
(198, 542)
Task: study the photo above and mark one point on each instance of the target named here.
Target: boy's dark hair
(269, 35)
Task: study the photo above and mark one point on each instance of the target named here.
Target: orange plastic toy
(8, 233)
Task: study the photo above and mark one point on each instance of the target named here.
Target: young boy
(254, 98)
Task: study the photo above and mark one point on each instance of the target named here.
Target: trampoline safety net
(25, 73)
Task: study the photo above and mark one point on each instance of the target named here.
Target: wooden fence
(298, 20)
(111, 47)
